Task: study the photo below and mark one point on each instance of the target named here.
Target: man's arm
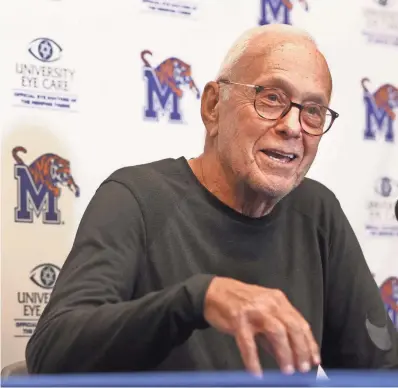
(91, 323)
(358, 332)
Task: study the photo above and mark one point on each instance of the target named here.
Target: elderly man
(231, 260)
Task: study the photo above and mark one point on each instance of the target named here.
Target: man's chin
(277, 187)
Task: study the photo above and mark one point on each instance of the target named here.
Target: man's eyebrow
(315, 97)
(280, 83)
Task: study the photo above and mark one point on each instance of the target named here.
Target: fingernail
(317, 359)
(305, 366)
(288, 369)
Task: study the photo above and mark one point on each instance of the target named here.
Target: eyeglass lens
(273, 103)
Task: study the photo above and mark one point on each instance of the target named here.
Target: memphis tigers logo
(39, 186)
(278, 11)
(165, 85)
(380, 115)
(389, 294)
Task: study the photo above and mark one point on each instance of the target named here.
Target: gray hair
(240, 46)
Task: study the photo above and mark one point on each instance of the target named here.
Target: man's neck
(238, 196)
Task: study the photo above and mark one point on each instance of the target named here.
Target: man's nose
(289, 125)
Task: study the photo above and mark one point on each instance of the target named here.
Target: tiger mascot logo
(385, 97)
(174, 73)
(49, 170)
(389, 294)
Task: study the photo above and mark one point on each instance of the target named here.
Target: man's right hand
(250, 312)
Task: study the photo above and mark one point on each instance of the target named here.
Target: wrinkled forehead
(299, 65)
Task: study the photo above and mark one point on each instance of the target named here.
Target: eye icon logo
(386, 187)
(45, 275)
(45, 50)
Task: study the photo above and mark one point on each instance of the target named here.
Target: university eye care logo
(39, 186)
(166, 85)
(44, 81)
(379, 109)
(278, 11)
(32, 303)
(380, 208)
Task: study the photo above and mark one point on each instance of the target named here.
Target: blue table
(235, 379)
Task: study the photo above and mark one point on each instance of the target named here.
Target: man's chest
(276, 256)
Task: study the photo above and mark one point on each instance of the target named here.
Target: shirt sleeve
(358, 332)
(92, 323)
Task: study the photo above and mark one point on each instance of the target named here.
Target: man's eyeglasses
(273, 104)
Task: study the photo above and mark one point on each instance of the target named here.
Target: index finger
(245, 340)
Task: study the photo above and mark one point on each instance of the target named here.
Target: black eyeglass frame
(300, 107)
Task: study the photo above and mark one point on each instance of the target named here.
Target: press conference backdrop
(83, 92)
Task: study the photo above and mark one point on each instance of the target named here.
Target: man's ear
(209, 107)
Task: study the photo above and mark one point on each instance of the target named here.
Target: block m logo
(278, 11)
(34, 200)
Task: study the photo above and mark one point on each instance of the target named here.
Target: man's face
(246, 143)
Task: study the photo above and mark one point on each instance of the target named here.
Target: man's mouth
(280, 156)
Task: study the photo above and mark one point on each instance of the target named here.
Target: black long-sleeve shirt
(130, 294)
